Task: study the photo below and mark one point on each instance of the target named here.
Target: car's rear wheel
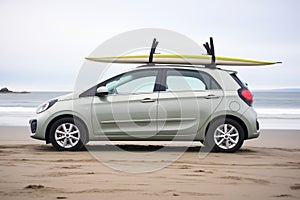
(225, 135)
(68, 134)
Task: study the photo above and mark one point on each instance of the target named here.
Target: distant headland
(7, 91)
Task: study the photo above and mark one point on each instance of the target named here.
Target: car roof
(188, 67)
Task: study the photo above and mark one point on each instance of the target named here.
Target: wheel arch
(47, 135)
(237, 119)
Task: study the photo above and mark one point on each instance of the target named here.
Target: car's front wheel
(68, 134)
(225, 135)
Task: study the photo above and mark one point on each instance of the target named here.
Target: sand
(266, 168)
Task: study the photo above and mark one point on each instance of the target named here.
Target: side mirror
(102, 91)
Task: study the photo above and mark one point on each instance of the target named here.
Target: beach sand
(265, 168)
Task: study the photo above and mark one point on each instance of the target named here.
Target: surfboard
(180, 59)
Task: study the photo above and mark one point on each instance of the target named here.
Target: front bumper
(33, 126)
(36, 131)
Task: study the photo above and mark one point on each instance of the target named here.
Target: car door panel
(184, 113)
(126, 115)
(129, 111)
(187, 102)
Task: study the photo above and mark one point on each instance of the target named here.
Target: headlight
(46, 105)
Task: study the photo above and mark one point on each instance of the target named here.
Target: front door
(130, 109)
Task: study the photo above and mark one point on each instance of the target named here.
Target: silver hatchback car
(153, 103)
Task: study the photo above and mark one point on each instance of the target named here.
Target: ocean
(277, 109)
(18, 108)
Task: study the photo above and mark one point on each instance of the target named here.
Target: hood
(66, 97)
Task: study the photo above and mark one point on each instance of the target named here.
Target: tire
(68, 134)
(225, 135)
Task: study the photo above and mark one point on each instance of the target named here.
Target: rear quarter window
(184, 80)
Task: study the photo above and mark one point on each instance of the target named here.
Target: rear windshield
(236, 78)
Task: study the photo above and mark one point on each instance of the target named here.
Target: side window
(182, 83)
(142, 81)
(187, 80)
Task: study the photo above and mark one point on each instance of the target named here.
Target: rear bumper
(257, 126)
(252, 123)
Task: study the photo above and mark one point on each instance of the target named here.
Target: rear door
(186, 103)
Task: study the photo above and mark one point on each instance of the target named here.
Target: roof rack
(210, 49)
(152, 51)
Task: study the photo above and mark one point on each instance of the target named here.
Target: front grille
(33, 125)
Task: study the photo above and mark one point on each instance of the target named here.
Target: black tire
(63, 133)
(224, 135)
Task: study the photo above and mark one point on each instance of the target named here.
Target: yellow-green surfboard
(180, 59)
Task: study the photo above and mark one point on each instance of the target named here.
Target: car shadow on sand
(141, 148)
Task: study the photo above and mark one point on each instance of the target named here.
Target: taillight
(246, 95)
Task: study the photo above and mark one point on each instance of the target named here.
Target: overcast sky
(43, 43)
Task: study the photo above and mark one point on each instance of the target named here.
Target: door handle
(147, 100)
(211, 96)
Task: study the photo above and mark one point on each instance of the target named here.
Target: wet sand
(265, 168)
